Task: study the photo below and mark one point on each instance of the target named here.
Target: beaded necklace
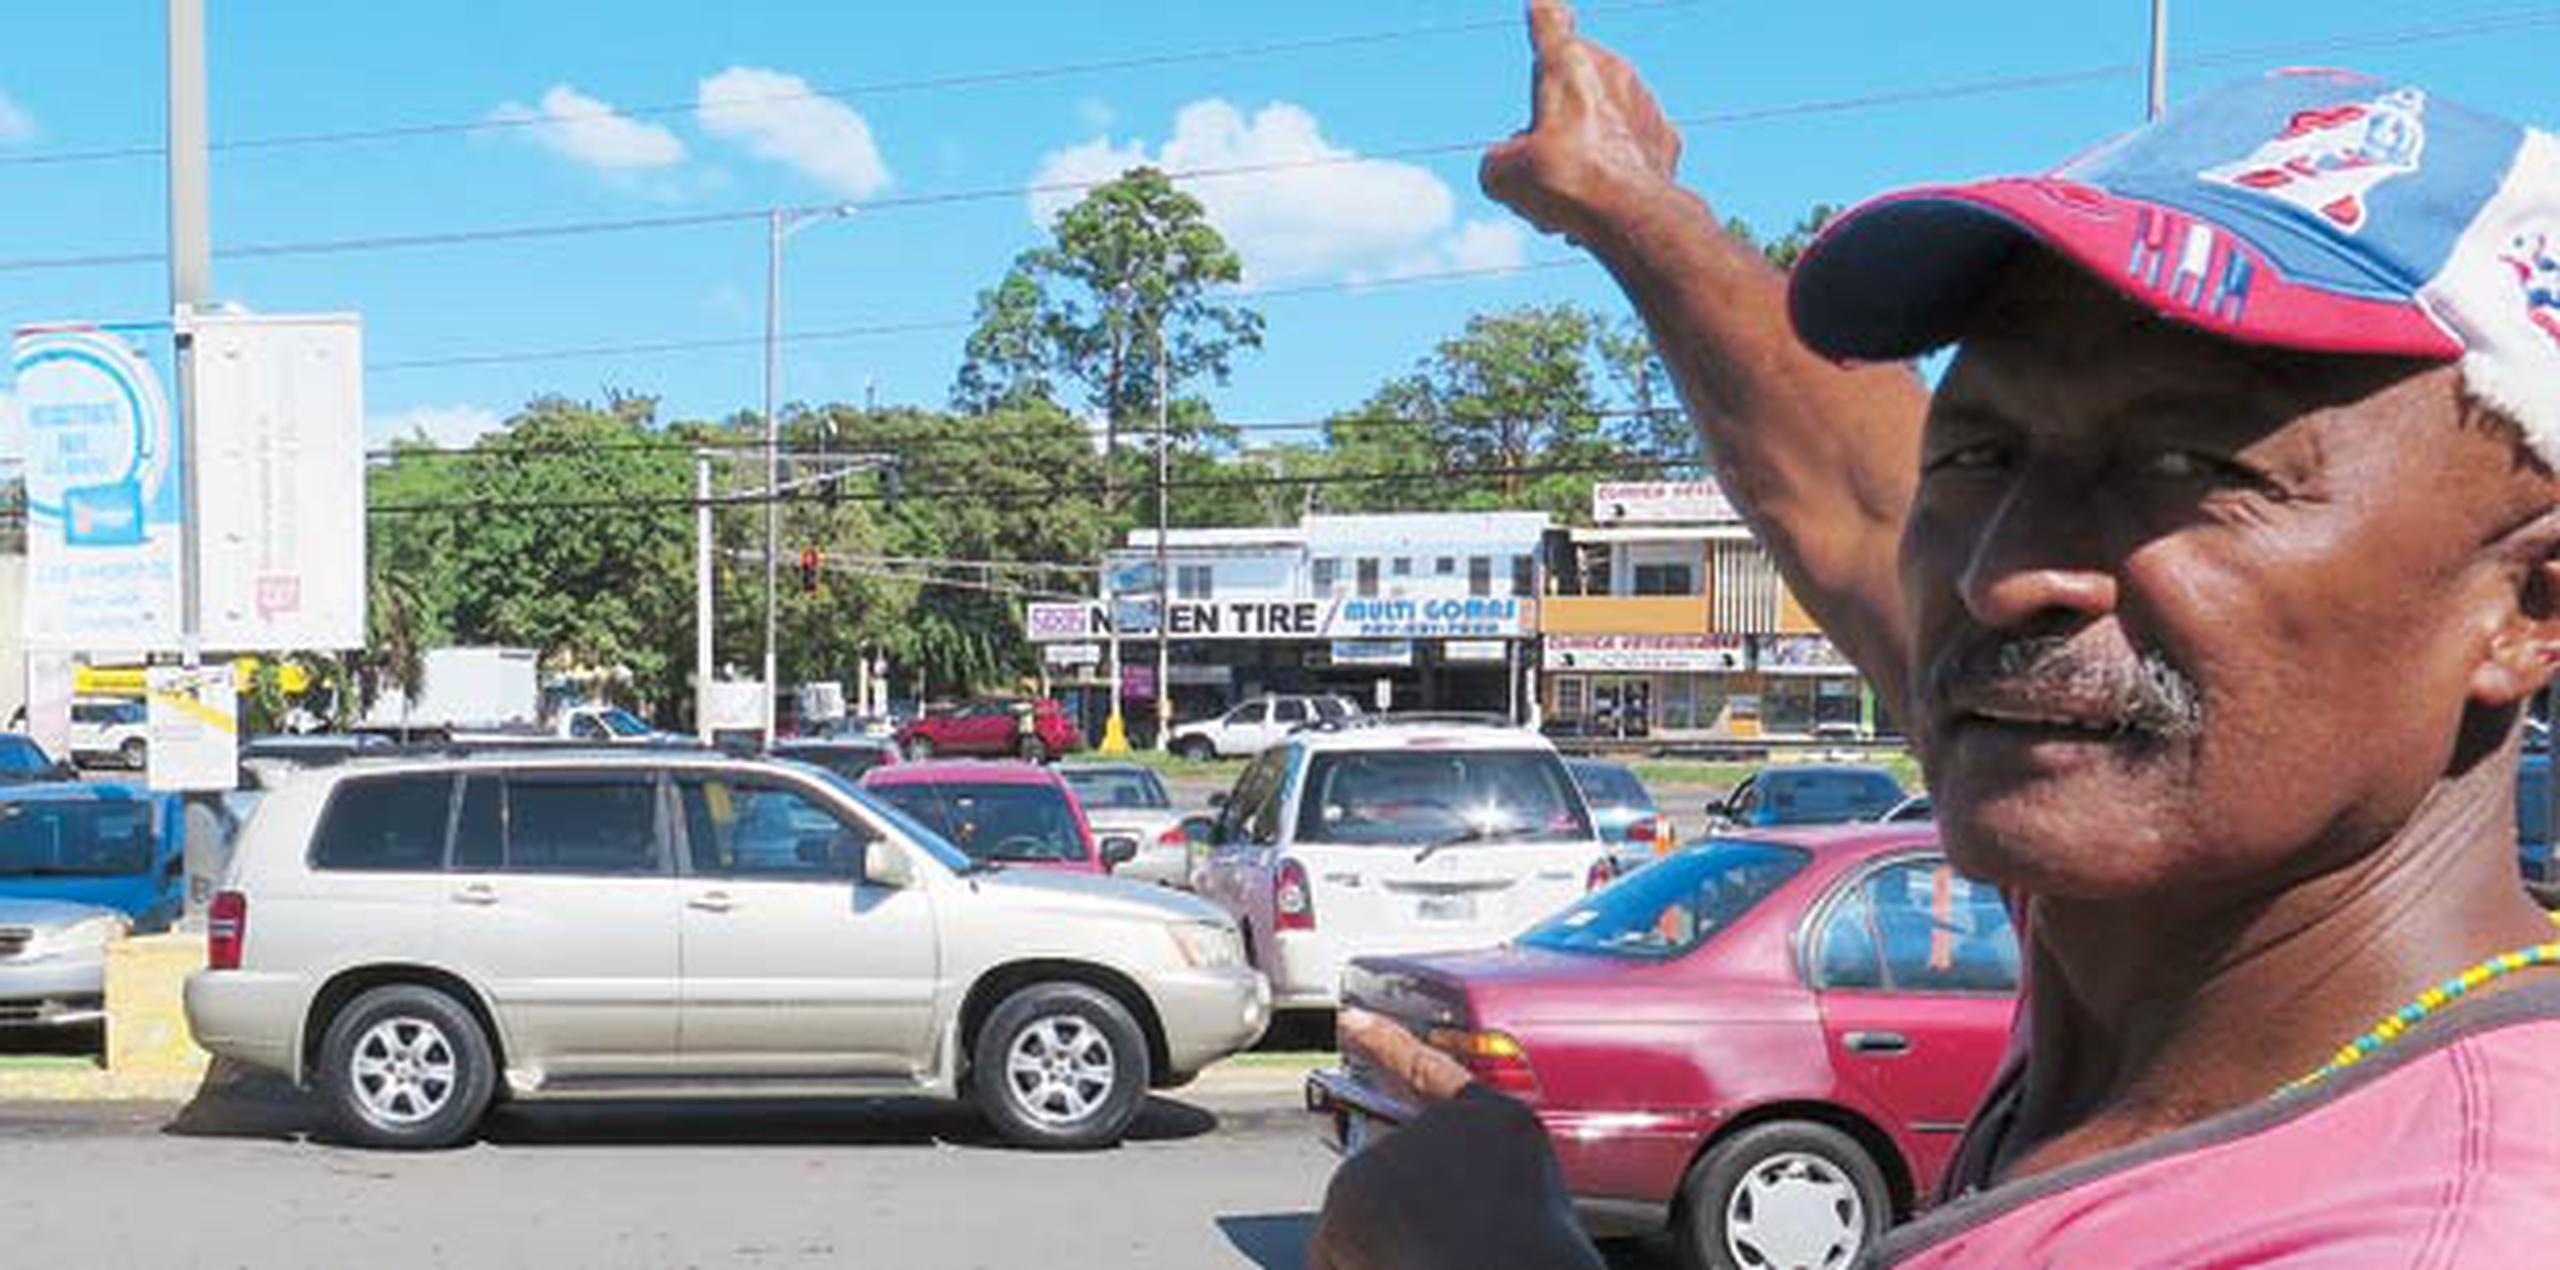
(2427, 1002)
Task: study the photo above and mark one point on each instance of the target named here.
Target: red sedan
(1001, 813)
(1765, 1046)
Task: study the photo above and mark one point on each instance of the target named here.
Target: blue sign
(105, 487)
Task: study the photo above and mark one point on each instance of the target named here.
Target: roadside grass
(1654, 772)
(48, 1063)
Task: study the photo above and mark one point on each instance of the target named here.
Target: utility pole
(780, 223)
(1115, 730)
(2159, 101)
(702, 595)
(1164, 579)
(190, 285)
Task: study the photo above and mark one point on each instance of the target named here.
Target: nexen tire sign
(1446, 617)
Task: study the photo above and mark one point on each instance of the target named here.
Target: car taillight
(1295, 905)
(1601, 875)
(226, 930)
(1490, 1056)
(1642, 831)
(1172, 838)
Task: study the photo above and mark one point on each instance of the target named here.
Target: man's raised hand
(1596, 143)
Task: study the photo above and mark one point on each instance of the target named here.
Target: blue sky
(1333, 250)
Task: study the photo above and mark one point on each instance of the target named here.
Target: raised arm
(1821, 458)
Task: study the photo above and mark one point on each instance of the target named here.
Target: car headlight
(1208, 945)
(92, 932)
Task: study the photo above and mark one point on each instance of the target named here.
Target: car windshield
(847, 761)
(23, 759)
(1672, 906)
(1113, 787)
(74, 839)
(1004, 823)
(622, 722)
(1419, 797)
(1611, 787)
(1331, 708)
(1822, 798)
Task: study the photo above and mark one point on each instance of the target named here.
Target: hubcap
(1060, 1070)
(404, 1070)
(1794, 1211)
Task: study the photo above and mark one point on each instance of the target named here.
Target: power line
(931, 325)
(1045, 494)
(877, 88)
(1956, 90)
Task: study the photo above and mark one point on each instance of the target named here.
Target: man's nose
(2039, 560)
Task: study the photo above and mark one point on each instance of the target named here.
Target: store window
(1569, 696)
(1446, 566)
(1194, 581)
(1524, 575)
(1666, 579)
(1479, 575)
(1404, 566)
(1368, 567)
(1798, 705)
(1328, 574)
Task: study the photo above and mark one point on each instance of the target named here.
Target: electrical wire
(846, 92)
(1950, 91)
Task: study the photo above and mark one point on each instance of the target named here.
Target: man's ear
(2524, 648)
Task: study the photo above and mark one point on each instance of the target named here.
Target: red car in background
(1031, 730)
(1001, 813)
(1765, 1046)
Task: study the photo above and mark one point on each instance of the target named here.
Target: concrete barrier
(147, 1035)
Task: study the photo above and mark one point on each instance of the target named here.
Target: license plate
(1445, 908)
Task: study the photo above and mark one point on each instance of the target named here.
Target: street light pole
(780, 223)
(2159, 58)
(702, 596)
(1164, 581)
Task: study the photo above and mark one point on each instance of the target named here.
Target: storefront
(1636, 686)
(1808, 688)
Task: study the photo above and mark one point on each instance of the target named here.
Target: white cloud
(585, 130)
(15, 123)
(448, 427)
(778, 117)
(1305, 207)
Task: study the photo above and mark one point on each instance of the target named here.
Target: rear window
(75, 839)
(1608, 785)
(1821, 798)
(384, 824)
(1672, 906)
(1118, 789)
(1419, 797)
(1006, 824)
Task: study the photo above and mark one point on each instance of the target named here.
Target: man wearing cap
(2212, 580)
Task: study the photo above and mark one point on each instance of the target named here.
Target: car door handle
(712, 902)
(480, 894)
(1878, 1043)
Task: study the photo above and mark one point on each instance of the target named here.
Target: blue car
(108, 845)
(1623, 811)
(2533, 828)
(1807, 794)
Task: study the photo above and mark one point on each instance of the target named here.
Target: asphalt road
(1212, 1181)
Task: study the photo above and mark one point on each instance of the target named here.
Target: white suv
(413, 937)
(1257, 725)
(1386, 837)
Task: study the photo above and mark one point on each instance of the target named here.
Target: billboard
(1661, 503)
(1640, 653)
(1444, 617)
(279, 419)
(105, 487)
(194, 727)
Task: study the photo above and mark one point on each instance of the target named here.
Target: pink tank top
(2445, 1156)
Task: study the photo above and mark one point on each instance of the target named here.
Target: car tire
(1786, 1193)
(919, 749)
(135, 754)
(406, 1067)
(1060, 1066)
(1195, 749)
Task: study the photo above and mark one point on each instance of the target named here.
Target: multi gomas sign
(1445, 617)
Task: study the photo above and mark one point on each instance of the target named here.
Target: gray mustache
(2146, 693)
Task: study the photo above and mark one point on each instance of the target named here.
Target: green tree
(1134, 265)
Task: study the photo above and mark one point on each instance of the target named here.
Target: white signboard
(1641, 653)
(1661, 502)
(1071, 654)
(1473, 650)
(104, 487)
(194, 728)
(279, 418)
(1445, 617)
(1800, 655)
(49, 693)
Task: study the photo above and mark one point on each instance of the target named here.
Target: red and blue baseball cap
(2310, 209)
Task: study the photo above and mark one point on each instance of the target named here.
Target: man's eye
(1987, 454)
(2188, 465)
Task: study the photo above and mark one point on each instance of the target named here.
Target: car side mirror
(1118, 850)
(885, 864)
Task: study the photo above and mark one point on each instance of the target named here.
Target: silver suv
(416, 937)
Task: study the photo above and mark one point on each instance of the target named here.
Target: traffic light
(810, 560)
